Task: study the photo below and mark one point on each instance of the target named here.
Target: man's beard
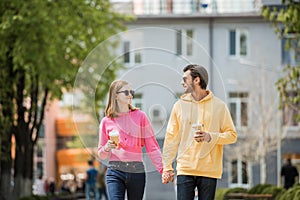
(189, 89)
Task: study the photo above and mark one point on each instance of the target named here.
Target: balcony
(185, 7)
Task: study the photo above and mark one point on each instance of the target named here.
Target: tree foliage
(285, 20)
(43, 43)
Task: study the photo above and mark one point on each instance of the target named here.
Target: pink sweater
(135, 133)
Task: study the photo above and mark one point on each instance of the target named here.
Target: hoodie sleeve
(227, 134)
(171, 142)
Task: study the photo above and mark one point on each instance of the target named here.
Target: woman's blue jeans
(186, 187)
(118, 182)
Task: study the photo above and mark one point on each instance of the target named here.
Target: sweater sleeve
(151, 145)
(103, 138)
(227, 133)
(172, 139)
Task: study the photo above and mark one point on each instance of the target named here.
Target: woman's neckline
(123, 113)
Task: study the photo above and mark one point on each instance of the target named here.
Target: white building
(244, 58)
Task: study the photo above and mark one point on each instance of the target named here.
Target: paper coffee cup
(197, 126)
(114, 136)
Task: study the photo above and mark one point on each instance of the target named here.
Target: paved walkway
(155, 190)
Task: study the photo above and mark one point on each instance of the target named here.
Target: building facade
(244, 58)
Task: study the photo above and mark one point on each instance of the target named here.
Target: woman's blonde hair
(112, 109)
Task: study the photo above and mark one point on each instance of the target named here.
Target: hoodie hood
(188, 97)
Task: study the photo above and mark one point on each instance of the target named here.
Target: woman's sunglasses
(126, 92)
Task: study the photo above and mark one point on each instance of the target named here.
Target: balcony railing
(167, 7)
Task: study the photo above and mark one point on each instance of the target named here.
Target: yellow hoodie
(193, 158)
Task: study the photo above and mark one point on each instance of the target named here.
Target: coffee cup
(197, 126)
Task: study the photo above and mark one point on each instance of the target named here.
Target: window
(137, 57)
(179, 42)
(130, 56)
(189, 42)
(138, 101)
(184, 42)
(232, 42)
(40, 167)
(178, 95)
(71, 99)
(42, 131)
(289, 55)
(39, 151)
(290, 111)
(156, 113)
(238, 173)
(238, 106)
(238, 43)
(126, 52)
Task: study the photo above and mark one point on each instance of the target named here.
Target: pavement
(155, 190)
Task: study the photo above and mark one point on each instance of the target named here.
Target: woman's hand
(110, 145)
(167, 176)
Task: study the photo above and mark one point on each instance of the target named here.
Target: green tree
(43, 43)
(285, 20)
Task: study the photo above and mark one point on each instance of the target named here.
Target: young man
(199, 151)
(91, 179)
(290, 174)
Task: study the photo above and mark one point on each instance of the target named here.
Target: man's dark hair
(90, 162)
(198, 71)
(289, 161)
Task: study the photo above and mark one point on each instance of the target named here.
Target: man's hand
(201, 136)
(167, 176)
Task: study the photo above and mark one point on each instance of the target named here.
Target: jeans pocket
(112, 175)
(109, 172)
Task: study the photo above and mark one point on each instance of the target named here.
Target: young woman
(125, 171)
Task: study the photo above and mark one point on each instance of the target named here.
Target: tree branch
(34, 103)
(40, 121)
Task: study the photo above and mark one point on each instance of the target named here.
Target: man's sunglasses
(126, 92)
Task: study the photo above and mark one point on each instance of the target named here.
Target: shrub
(275, 191)
(238, 190)
(258, 189)
(220, 193)
(291, 194)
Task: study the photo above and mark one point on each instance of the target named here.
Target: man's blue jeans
(118, 182)
(186, 187)
(89, 188)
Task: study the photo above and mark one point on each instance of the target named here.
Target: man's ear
(197, 80)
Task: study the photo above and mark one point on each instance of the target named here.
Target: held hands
(201, 136)
(167, 176)
(110, 145)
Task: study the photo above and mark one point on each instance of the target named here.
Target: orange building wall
(50, 139)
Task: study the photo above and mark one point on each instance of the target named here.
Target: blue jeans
(89, 188)
(118, 182)
(186, 187)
